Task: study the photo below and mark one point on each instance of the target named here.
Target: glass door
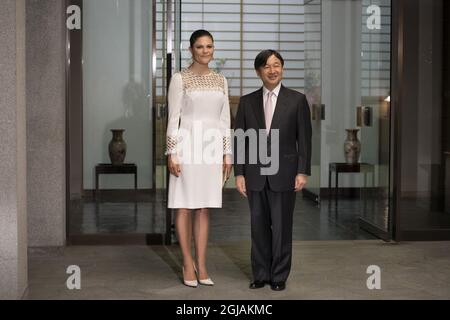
(347, 65)
(167, 61)
(116, 61)
(373, 116)
(313, 73)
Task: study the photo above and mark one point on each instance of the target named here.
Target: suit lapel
(258, 109)
(281, 104)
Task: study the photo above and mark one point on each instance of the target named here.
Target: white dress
(198, 134)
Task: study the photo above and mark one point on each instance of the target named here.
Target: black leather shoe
(278, 286)
(257, 284)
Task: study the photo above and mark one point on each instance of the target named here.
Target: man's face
(272, 73)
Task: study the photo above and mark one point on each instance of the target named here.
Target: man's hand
(300, 182)
(240, 185)
(173, 165)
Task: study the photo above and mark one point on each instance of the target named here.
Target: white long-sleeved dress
(198, 133)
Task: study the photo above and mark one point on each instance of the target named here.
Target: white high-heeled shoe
(205, 282)
(190, 283)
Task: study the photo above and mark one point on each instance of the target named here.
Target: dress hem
(196, 207)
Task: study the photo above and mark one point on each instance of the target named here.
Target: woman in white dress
(199, 152)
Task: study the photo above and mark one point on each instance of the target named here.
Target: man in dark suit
(281, 119)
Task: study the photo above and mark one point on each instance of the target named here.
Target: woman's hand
(173, 165)
(227, 165)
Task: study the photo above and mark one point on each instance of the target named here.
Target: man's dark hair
(263, 56)
(198, 34)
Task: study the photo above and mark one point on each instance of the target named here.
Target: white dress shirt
(275, 91)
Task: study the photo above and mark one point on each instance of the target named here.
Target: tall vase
(117, 147)
(352, 146)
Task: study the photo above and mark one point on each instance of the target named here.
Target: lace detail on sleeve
(227, 145)
(171, 147)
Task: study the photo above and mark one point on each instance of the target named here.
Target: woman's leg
(183, 224)
(201, 232)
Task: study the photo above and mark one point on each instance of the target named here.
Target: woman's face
(203, 50)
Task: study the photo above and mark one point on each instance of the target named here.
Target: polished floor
(336, 267)
(115, 214)
(320, 270)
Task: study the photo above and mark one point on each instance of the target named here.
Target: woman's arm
(174, 98)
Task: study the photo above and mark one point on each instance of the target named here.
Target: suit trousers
(271, 230)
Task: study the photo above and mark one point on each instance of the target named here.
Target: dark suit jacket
(292, 119)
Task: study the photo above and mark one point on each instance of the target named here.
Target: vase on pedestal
(117, 147)
(352, 146)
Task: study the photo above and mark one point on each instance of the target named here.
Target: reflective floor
(113, 214)
(320, 270)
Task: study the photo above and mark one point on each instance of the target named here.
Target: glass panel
(373, 115)
(313, 72)
(117, 94)
(425, 161)
(355, 133)
(166, 63)
(117, 87)
(323, 44)
(241, 30)
(161, 90)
